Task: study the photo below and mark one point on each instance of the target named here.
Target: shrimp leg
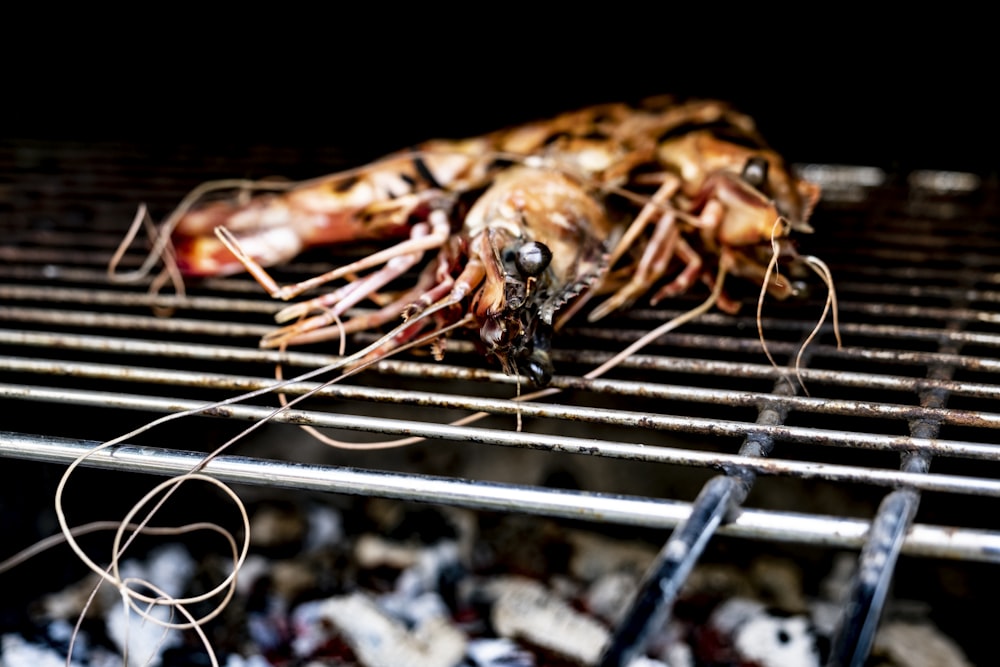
(651, 267)
(395, 261)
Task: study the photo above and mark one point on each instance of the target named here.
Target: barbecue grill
(891, 456)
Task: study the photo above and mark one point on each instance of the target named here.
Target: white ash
(414, 610)
(524, 609)
(69, 603)
(425, 574)
(498, 653)
(917, 645)
(371, 551)
(643, 661)
(415, 598)
(326, 528)
(596, 555)
(235, 660)
(669, 645)
(776, 642)
(610, 595)
(62, 631)
(676, 654)
(289, 578)
(307, 628)
(565, 587)
(15, 651)
(759, 637)
(254, 567)
(414, 602)
(272, 526)
(381, 641)
(144, 640)
(169, 568)
(732, 614)
(265, 630)
(825, 616)
(600, 576)
(836, 585)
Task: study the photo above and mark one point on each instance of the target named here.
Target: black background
(910, 92)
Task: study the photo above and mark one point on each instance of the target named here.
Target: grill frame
(919, 265)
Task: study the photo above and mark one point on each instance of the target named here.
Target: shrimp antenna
(382, 444)
(772, 270)
(111, 574)
(161, 235)
(823, 271)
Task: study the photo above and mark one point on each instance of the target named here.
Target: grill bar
(917, 267)
(856, 631)
(970, 418)
(229, 305)
(658, 592)
(566, 444)
(828, 531)
(855, 634)
(590, 358)
(663, 581)
(111, 298)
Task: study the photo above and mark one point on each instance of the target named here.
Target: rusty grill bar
(905, 416)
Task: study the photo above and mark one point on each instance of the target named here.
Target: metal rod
(104, 297)
(432, 370)
(59, 317)
(855, 632)
(862, 610)
(564, 444)
(663, 580)
(827, 531)
(889, 331)
(501, 406)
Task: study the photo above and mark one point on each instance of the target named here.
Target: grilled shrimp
(523, 226)
(610, 201)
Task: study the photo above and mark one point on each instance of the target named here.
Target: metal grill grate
(892, 451)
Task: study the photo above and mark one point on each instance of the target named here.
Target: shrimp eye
(532, 258)
(755, 172)
(537, 367)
